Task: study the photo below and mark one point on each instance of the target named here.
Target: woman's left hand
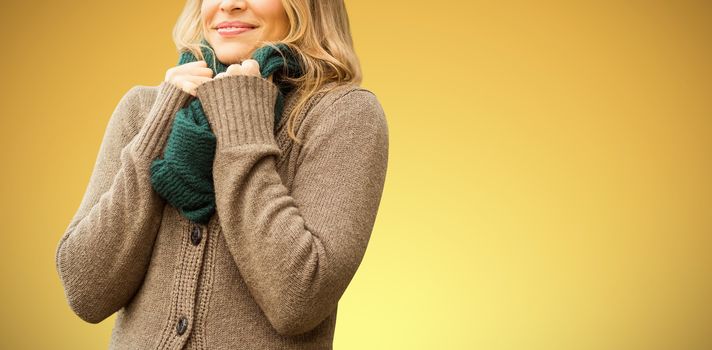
(247, 67)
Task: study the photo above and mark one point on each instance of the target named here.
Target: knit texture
(184, 176)
(268, 270)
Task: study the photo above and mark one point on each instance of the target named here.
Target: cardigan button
(182, 325)
(195, 234)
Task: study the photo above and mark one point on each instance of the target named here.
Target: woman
(295, 198)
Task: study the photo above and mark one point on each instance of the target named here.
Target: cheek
(271, 11)
(207, 11)
(268, 7)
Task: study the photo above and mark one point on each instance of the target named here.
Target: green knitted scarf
(184, 176)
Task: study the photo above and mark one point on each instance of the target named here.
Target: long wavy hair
(319, 34)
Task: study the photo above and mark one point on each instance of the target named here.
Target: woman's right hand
(189, 76)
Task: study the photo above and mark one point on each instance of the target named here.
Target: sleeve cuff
(151, 138)
(240, 109)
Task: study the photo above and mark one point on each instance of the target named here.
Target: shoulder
(346, 96)
(133, 107)
(137, 96)
(347, 123)
(347, 107)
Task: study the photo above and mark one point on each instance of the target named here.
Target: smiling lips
(232, 28)
(232, 31)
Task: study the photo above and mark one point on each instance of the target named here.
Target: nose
(229, 5)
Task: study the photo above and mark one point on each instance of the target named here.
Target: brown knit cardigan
(291, 227)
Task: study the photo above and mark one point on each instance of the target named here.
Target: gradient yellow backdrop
(549, 171)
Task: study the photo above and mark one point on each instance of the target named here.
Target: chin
(231, 54)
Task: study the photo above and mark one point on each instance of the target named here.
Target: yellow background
(549, 171)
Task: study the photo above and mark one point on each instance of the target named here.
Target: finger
(220, 75)
(193, 64)
(205, 72)
(189, 87)
(189, 83)
(251, 67)
(195, 67)
(195, 79)
(234, 69)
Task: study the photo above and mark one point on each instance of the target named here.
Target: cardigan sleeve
(297, 249)
(104, 253)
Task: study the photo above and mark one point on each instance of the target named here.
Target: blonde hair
(319, 34)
